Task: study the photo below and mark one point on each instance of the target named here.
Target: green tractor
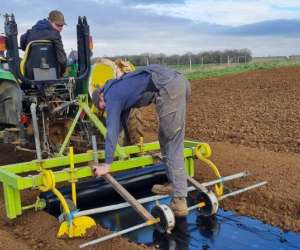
(35, 79)
(10, 93)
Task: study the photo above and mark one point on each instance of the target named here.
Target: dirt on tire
(135, 126)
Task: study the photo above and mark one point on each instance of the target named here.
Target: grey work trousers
(171, 111)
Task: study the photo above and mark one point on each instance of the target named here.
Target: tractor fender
(10, 103)
(6, 75)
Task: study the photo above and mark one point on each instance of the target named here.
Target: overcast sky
(118, 27)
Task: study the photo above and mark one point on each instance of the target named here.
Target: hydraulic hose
(49, 184)
(203, 152)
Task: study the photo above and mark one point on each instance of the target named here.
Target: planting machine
(54, 112)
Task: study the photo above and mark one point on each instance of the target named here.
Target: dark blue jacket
(43, 30)
(120, 96)
(135, 89)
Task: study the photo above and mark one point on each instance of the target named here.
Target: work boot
(162, 189)
(179, 206)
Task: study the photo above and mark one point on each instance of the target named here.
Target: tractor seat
(40, 61)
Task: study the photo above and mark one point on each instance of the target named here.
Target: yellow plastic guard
(103, 70)
(79, 227)
(100, 74)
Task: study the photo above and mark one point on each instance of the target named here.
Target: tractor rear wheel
(10, 104)
(135, 127)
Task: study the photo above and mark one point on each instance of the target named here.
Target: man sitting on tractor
(48, 29)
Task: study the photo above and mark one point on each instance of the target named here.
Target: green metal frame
(84, 107)
(31, 178)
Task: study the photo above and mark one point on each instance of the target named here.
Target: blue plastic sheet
(226, 230)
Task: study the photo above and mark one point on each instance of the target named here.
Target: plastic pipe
(242, 190)
(130, 229)
(155, 197)
(127, 230)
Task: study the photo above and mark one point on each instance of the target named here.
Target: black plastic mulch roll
(97, 192)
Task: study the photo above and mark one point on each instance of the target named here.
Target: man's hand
(101, 169)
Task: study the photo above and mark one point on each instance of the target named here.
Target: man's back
(43, 30)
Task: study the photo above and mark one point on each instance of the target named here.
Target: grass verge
(205, 71)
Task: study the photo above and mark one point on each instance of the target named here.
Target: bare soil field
(251, 121)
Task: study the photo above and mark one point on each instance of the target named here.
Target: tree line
(209, 57)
